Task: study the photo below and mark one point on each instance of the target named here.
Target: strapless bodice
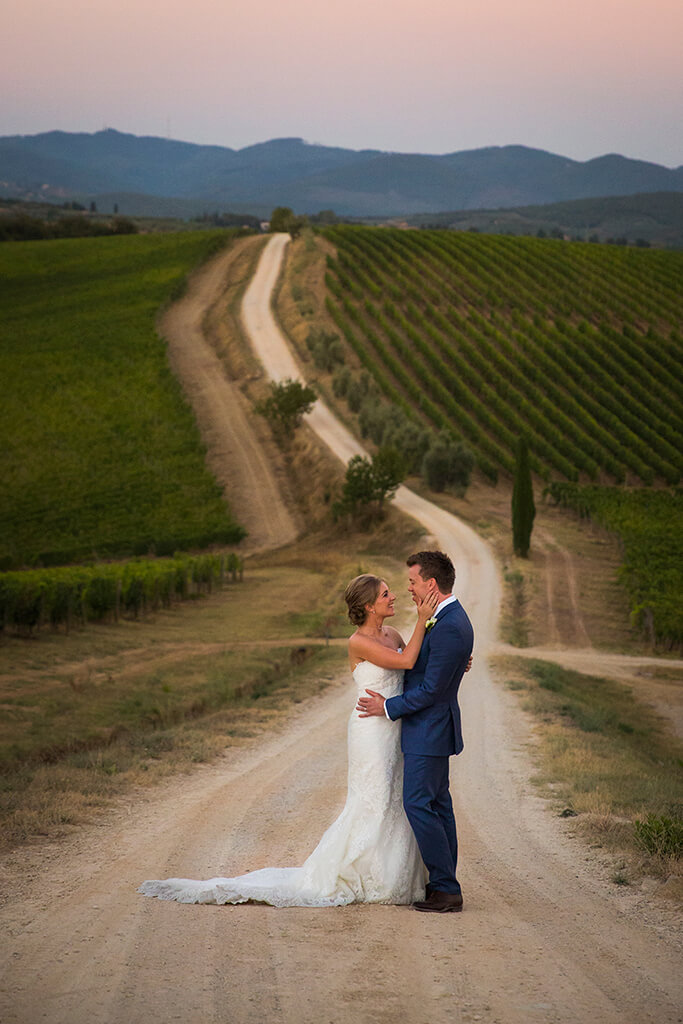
(387, 681)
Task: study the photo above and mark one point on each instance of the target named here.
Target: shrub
(447, 462)
(369, 483)
(523, 507)
(285, 407)
(341, 381)
(326, 349)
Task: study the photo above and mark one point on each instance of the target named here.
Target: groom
(431, 729)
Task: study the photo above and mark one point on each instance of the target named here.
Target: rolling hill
(655, 218)
(62, 165)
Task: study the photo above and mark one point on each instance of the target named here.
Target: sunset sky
(580, 78)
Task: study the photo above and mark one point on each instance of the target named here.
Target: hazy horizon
(580, 80)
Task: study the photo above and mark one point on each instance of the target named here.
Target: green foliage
(341, 382)
(326, 349)
(660, 835)
(283, 219)
(648, 523)
(287, 404)
(386, 425)
(81, 594)
(388, 472)
(280, 218)
(447, 462)
(369, 483)
(523, 507)
(101, 454)
(358, 491)
(22, 227)
(490, 337)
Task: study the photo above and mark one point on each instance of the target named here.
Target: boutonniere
(429, 623)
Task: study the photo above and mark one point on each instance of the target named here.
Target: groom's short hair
(434, 565)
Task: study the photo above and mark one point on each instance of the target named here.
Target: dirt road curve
(542, 941)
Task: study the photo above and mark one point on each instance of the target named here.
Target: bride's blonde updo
(361, 591)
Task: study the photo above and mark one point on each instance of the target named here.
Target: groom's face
(418, 588)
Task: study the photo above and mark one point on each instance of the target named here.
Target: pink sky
(580, 78)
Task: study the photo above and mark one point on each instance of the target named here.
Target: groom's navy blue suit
(430, 733)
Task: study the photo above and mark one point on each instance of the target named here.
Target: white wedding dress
(368, 855)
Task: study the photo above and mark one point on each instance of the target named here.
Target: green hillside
(575, 345)
(100, 454)
(649, 524)
(651, 218)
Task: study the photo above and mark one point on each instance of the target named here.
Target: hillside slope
(656, 218)
(574, 345)
(312, 177)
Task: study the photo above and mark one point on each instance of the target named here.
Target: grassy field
(608, 758)
(102, 456)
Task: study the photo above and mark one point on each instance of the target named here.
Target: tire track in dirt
(565, 620)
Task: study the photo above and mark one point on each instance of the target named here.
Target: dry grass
(604, 756)
(90, 714)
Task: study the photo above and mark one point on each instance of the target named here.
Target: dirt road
(224, 416)
(543, 939)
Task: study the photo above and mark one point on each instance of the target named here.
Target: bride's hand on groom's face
(427, 607)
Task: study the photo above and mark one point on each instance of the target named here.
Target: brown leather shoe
(440, 903)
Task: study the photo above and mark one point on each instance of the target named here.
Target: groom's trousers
(428, 806)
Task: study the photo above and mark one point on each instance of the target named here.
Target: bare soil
(544, 936)
(233, 436)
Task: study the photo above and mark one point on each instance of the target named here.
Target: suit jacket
(429, 703)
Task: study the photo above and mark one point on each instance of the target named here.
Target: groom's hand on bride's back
(372, 705)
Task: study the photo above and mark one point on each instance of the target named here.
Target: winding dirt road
(543, 939)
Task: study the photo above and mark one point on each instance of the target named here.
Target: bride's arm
(364, 648)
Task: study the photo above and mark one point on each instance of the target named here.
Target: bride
(369, 854)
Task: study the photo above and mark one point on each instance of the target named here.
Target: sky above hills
(433, 76)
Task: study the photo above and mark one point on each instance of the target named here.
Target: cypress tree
(523, 508)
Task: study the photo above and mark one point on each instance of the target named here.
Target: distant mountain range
(161, 176)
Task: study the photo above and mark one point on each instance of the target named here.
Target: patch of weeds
(515, 684)
(514, 626)
(620, 874)
(660, 835)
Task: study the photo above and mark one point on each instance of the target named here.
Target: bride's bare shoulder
(395, 635)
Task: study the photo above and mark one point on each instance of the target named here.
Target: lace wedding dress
(368, 855)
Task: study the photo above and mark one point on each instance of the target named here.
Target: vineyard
(576, 346)
(75, 595)
(101, 455)
(648, 523)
